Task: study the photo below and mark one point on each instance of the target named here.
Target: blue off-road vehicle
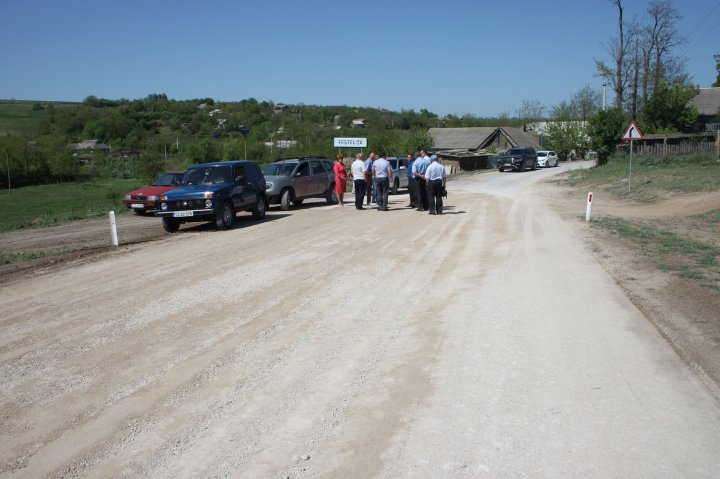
(215, 192)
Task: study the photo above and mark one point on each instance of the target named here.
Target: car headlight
(152, 198)
(208, 203)
(163, 206)
(268, 185)
(127, 197)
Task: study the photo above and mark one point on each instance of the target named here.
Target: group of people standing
(372, 179)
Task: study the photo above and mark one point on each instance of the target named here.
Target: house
(474, 148)
(707, 103)
(217, 111)
(359, 123)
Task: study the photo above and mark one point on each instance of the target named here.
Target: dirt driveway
(329, 342)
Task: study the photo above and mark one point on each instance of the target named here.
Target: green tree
(667, 111)
(150, 164)
(61, 163)
(717, 69)
(605, 130)
(565, 136)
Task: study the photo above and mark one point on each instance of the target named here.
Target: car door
(244, 193)
(302, 180)
(402, 172)
(319, 176)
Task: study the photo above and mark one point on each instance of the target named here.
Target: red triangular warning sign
(632, 132)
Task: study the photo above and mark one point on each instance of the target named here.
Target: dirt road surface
(330, 342)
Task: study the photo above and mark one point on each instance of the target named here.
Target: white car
(547, 158)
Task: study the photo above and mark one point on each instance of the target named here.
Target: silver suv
(290, 181)
(400, 179)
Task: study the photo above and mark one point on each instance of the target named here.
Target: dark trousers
(412, 192)
(421, 193)
(359, 192)
(370, 187)
(434, 193)
(382, 185)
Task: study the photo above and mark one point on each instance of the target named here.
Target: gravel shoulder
(490, 341)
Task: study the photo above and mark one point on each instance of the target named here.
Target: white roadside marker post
(113, 229)
(588, 209)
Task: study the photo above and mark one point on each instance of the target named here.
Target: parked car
(292, 180)
(518, 159)
(547, 158)
(400, 179)
(145, 199)
(215, 192)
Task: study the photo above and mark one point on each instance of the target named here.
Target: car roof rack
(301, 158)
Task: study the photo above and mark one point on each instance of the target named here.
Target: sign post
(632, 133)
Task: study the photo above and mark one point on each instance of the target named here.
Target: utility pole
(604, 88)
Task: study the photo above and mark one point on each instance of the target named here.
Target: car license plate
(137, 205)
(180, 214)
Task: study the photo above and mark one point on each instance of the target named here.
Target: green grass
(651, 176)
(673, 253)
(34, 206)
(18, 118)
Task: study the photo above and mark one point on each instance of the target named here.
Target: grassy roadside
(44, 205)
(672, 249)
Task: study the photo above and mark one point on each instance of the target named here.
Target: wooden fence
(674, 145)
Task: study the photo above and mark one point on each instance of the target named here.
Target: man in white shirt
(382, 175)
(435, 177)
(358, 170)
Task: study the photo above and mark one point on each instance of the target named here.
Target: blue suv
(215, 192)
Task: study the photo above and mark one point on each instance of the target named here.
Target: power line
(704, 34)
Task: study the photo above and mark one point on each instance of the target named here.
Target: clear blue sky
(450, 57)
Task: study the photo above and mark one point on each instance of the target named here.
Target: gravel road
(330, 342)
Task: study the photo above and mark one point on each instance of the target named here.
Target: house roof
(476, 138)
(518, 137)
(707, 101)
(91, 145)
(460, 138)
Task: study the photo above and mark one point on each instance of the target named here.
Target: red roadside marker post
(631, 133)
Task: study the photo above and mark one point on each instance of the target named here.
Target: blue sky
(450, 57)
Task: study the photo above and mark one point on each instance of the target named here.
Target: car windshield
(542, 153)
(516, 151)
(166, 180)
(279, 169)
(208, 175)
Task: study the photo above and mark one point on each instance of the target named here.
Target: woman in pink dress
(340, 178)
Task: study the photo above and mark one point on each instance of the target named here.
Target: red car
(145, 199)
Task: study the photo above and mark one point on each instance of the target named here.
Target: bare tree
(586, 102)
(662, 35)
(530, 111)
(616, 75)
(619, 84)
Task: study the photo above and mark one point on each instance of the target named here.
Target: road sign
(632, 132)
(350, 143)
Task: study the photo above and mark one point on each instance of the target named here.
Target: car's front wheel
(285, 200)
(258, 210)
(534, 166)
(395, 187)
(224, 217)
(170, 225)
